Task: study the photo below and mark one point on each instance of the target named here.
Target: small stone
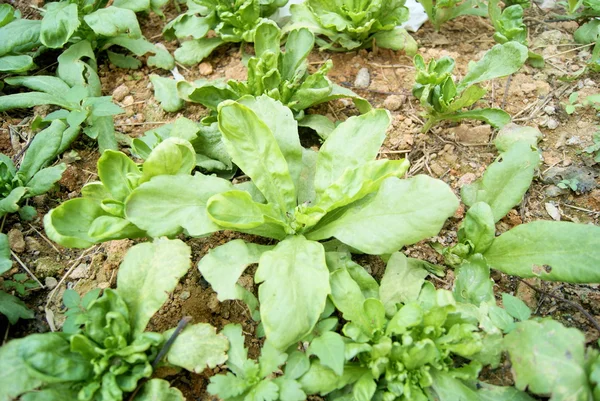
(394, 102)
(575, 67)
(214, 304)
(205, 68)
(33, 245)
(550, 110)
(120, 93)
(552, 123)
(50, 282)
(104, 285)
(80, 271)
(128, 101)
(16, 241)
(552, 211)
(573, 141)
(363, 78)
(588, 82)
(184, 295)
(437, 169)
(553, 191)
(466, 179)
(47, 266)
(472, 135)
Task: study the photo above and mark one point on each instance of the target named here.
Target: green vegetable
(443, 99)
(76, 91)
(108, 352)
(297, 197)
(352, 25)
(442, 11)
(280, 75)
(231, 21)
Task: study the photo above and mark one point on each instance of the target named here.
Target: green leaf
(113, 21)
(297, 48)
(548, 358)
(353, 143)
(10, 204)
(13, 308)
(296, 365)
(473, 284)
(173, 156)
(16, 64)
(15, 378)
(124, 61)
(253, 147)
(348, 299)
(44, 180)
(161, 58)
(209, 348)
(148, 274)
(447, 388)
(364, 388)
(501, 319)
(329, 348)
(295, 287)
(153, 207)
(43, 83)
(401, 282)
(21, 35)
(267, 38)
(159, 390)
(551, 250)
(30, 99)
(42, 150)
(289, 390)
(165, 91)
(396, 39)
(515, 307)
(495, 117)
(194, 51)
(59, 23)
(505, 181)
(500, 61)
(488, 392)
(402, 212)
(237, 355)
(223, 266)
(69, 223)
(117, 171)
(322, 125)
(478, 227)
(5, 258)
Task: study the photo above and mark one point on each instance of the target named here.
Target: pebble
(575, 67)
(80, 271)
(552, 123)
(466, 179)
(205, 68)
(128, 101)
(47, 267)
(473, 135)
(104, 285)
(16, 241)
(50, 282)
(33, 245)
(574, 140)
(363, 78)
(553, 191)
(550, 110)
(120, 93)
(394, 102)
(184, 295)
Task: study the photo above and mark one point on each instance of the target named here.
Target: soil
(455, 153)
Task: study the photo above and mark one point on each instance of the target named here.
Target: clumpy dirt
(456, 153)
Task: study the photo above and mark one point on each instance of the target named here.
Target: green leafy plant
(77, 307)
(111, 355)
(595, 148)
(297, 197)
(100, 214)
(20, 283)
(352, 25)
(443, 99)
(442, 11)
(510, 27)
(76, 91)
(231, 21)
(572, 104)
(280, 75)
(571, 184)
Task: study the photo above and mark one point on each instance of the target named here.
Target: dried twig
(27, 269)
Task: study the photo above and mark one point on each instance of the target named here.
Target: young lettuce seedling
(282, 76)
(353, 25)
(231, 21)
(108, 354)
(442, 11)
(443, 99)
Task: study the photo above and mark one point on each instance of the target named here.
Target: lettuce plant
(510, 27)
(281, 75)
(110, 355)
(232, 22)
(351, 25)
(71, 21)
(442, 11)
(443, 98)
(297, 197)
(76, 91)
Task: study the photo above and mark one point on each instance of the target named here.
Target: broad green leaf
(56, 392)
(7, 14)
(128, 62)
(505, 181)
(295, 285)
(469, 97)
(10, 204)
(30, 99)
(322, 125)
(69, 223)
(322, 380)
(499, 61)
(5, 259)
(478, 227)
(59, 23)
(402, 212)
(548, 358)
(168, 205)
(103, 129)
(253, 147)
(267, 38)
(495, 117)
(208, 93)
(297, 364)
(116, 171)
(409, 315)
(297, 48)
(42, 150)
(173, 156)
(551, 250)
(401, 283)
(515, 307)
(113, 21)
(161, 58)
(44, 180)
(133, 5)
(159, 390)
(513, 133)
(194, 51)
(15, 378)
(348, 299)
(21, 35)
(149, 272)
(289, 390)
(237, 355)
(13, 308)
(329, 348)
(353, 143)
(16, 64)
(364, 388)
(473, 284)
(165, 91)
(75, 72)
(447, 388)
(396, 39)
(488, 392)
(209, 348)
(501, 319)
(588, 32)
(270, 359)
(223, 266)
(306, 188)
